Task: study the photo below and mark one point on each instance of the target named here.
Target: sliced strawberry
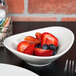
(41, 52)
(30, 49)
(22, 45)
(32, 40)
(48, 38)
(38, 35)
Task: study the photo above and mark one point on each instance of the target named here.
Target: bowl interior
(64, 35)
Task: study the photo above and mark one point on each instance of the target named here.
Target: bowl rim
(45, 57)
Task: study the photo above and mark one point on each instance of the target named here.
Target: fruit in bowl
(44, 44)
(65, 41)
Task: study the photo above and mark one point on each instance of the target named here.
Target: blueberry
(54, 52)
(38, 46)
(52, 47)
(57, 48)
(45, 47)
(35, 46)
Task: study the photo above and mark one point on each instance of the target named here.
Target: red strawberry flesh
(48, 39)
(32, 40)
(38, 35)
(41, 52)
(22, 45)
(30, 49)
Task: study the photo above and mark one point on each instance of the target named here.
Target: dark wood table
(56, 69)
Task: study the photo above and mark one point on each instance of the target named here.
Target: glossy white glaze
(64, 35)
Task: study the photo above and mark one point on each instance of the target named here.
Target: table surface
(56, 69)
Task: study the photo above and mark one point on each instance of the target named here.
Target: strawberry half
(32, 40)
(22, 45)
(30, 49)
(41, 52)
(38, 35)
(48, 38)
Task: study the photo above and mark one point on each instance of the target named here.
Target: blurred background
(42, 10)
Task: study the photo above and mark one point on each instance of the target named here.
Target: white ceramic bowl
(64, 35)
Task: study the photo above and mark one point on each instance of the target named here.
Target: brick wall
(42, 10)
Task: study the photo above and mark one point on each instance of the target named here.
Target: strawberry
(30, 49)
(38, 35)
(48, 39)
(22, 45)
(32, 40)
(41, 52)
